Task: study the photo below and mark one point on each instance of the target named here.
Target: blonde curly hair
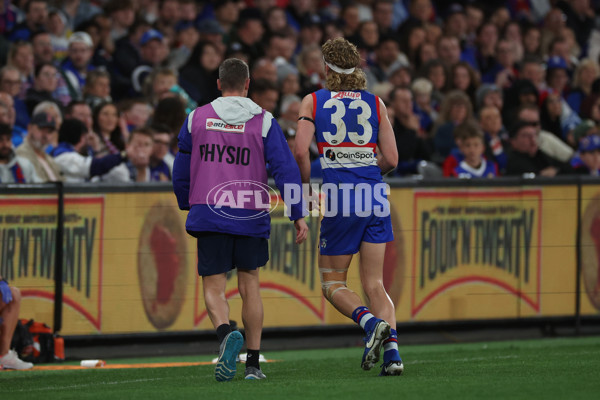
(343, 54)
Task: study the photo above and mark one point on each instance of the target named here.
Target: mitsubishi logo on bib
(215, 124)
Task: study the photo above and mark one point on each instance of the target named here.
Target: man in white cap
(76, 66)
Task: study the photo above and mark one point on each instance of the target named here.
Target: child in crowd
(161, 159)
(422, 89)
(469, 138)
(587, 161)
(97, 88)
(141, 143)
(135, 112)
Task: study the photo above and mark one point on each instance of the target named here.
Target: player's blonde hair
(343, 54)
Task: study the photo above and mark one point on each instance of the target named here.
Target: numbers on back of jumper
(339, 117)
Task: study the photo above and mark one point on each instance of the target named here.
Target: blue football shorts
(343, 235)
(219, 253)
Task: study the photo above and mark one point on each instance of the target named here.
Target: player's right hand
(301, 230)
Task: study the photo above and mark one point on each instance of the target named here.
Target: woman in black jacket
(198, 77)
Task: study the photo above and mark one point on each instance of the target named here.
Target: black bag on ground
(34, 342)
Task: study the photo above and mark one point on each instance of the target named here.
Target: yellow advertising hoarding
(472, 253)
(486, 241)
(590, 249)
(459, 253)
(27, 235)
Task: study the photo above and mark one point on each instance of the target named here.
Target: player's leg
(215, 301)
(218, 311)
(252, 307)
(214, 261)
(371, 276)
(252, 317)
(10, 304)
(9, 315)
(340, 239)
(251, 253)
(334, 272)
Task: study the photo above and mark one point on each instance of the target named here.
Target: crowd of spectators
(97, 90)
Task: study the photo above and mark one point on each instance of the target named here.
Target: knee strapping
(332, 281)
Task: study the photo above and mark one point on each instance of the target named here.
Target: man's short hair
(422, 86)
(515, 115)
(137, 23)
(94, 75)
(38, 68)
(30, 2)
(554, 41)
(5, 130)
(159, 127)
(233, 74)
(247, 15)
(37, 33)
(74, 103)
(47, 106)
(468, 130)
(128, 103)
(263, 85)
(386, 38)
(145, 131)
(531, 59)
(71, 131)
(395, 90)
(117, 5)
(7, 68)
(517, 126)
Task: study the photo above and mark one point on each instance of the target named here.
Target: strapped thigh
(333, 280)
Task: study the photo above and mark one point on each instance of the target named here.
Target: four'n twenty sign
(476, 237)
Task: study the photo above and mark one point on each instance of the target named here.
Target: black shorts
(219, 253)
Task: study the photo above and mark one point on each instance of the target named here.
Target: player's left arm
(280, 160)
(181, 166)
(387, 157)
(304, 137)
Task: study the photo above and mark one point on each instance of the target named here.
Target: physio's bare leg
(214, 298)
(371, 277)
(10, 316)
(252, 307)
(334, 270)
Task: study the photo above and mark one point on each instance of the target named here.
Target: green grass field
(565, 368)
